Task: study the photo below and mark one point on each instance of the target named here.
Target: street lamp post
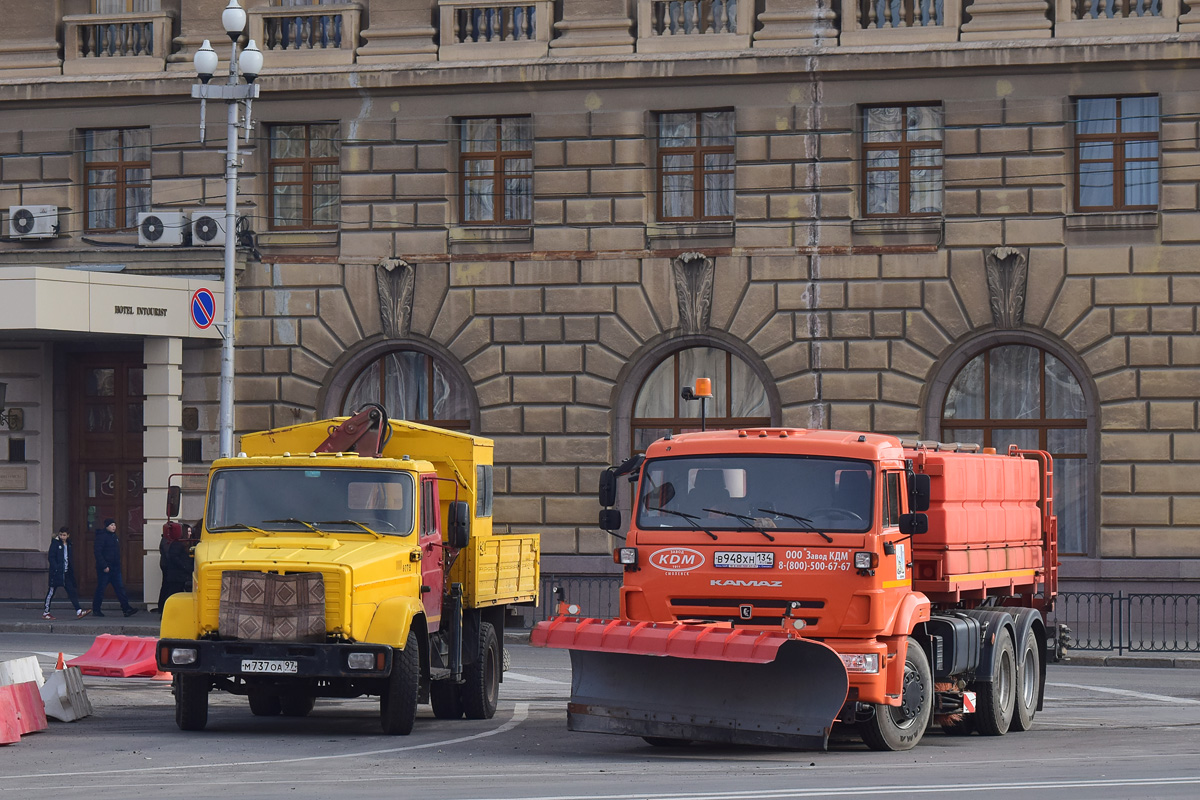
(249, 64)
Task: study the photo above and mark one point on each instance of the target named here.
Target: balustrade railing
(867, 22)
(306, 35)
(485, 29)
(139, 41)
(678, 25)
(1115, 17)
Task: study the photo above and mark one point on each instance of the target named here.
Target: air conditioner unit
(32, 222)
(208, 229)
(162, 228)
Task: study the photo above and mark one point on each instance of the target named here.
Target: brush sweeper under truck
(779, 580)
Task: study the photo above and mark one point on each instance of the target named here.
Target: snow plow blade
(709, 683)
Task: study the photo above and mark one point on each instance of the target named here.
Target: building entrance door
(105, 409)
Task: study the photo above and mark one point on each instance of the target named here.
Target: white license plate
(261, 665)
(756, 560)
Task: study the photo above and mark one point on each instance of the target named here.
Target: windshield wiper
(805, 521)
(239, 526)
(295, 521)
(691, 518)
(350, 522)
(748, 520)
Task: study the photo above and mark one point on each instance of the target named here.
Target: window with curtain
(123, 6)
(414, 386)
(1116, 153)
(739, 398)
(305, 176)
(117, 175)
(495, 168)
(902, 161)
(1023, 395)
(695, 165)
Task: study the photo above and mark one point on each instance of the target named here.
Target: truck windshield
(264, 497)
(829, 495)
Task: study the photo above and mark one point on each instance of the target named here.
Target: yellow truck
(348, 557)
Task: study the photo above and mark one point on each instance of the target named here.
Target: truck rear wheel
(191, 701)
(296, 704)
(398, 703)
(481, 678)
(263, 704)
(446, 699)
(901, 727)
(996, 699)
(1029, 680)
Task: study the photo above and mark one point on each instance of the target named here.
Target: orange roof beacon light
(702, 392)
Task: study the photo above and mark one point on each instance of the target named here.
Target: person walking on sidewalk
(108, 568)
(62, 572)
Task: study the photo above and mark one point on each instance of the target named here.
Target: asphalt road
(1105, 733)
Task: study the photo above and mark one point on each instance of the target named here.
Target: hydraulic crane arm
(354, 433)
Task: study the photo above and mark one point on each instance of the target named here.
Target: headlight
(360, 660)
(866, 560)
(183, 655)
(861, 662)
(626, 556)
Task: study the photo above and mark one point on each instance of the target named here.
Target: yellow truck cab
(348, 557)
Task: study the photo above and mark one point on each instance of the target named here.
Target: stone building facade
(1014, 260)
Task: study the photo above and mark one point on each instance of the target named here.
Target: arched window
(1021, 394)
(739, 397)
(412, 385)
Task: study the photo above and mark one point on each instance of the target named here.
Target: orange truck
(779, 581)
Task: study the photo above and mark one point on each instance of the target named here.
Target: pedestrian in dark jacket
(108, 569)
(62, 572)
(175, 560)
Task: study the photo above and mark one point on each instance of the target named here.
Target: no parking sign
(204, 308)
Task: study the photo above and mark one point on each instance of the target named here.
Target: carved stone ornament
(1007, 279)
(693, 273)
(395, 278)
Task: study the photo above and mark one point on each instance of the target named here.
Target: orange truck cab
(778, 580)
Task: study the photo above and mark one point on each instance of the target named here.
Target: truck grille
(726, 609)
(337, 616)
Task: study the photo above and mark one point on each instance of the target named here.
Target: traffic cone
(60, 664)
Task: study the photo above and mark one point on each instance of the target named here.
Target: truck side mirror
(610, 519)
(918, 493)
(458, 526)
(914, 524)
(608, 487)
(174, 494)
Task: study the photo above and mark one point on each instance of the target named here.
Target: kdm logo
(745, 583)
(677, 559)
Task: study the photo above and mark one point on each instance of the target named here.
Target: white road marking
(1158, 698)
(517, 676)
(520, 714)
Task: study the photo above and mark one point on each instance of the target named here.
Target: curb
(1151, 662)
(74, 627)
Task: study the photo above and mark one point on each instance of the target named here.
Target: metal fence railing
(1099, 621)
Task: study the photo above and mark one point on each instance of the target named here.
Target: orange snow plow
(674, 683)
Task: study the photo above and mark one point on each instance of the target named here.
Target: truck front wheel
(263, 704)
(901, 727)
(296, 704)
(398, 703)
(996, 699)
(481, 678)
(191, 701)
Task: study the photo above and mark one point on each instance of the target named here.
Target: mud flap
(788, 702)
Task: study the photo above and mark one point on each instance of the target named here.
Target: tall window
(305, 174)
(695, 165)
(902, 158)
(495, 167)
(739, 397)
(117, 163)
(414, 386)
(1022, 395)
(1116, 150)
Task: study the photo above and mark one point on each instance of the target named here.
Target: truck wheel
(1029, 679)
(446, 699)
(263, 704)
(481, 678)
(901, 727)
(191, 702)
(996, 699)
(296, 704)
(398, 703)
